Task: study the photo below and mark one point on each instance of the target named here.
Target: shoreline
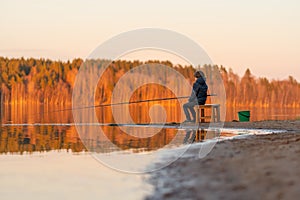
(255, 167)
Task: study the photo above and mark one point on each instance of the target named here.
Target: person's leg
(186, 111)
(189, 107)
(192, 110)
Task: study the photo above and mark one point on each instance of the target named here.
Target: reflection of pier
(199, 135)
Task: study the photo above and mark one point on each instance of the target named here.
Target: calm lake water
(40, 129)
(43, 157)
(140, 114)
(41, 161)
(29, 138)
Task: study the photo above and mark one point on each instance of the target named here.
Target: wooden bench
(215, 112)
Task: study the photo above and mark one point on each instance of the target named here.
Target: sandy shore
(258, 167)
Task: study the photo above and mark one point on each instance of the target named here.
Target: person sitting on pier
(198, 96)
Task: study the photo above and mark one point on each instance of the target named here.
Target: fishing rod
(115, 104)
(146, 100)
(128, 102)
(141, 101)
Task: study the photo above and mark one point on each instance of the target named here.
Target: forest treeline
(43, 81)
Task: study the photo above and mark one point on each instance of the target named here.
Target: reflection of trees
(39, 138)
(46, 138)
(115, 138)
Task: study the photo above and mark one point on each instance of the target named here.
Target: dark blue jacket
(199, 91)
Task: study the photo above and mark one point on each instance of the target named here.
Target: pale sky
(261, 35)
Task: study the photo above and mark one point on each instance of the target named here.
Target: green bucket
(244, 115)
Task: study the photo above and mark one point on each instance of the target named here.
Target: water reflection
(20, 139)
(200, 135)
(140, 113)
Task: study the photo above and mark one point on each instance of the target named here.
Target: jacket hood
(201, 80)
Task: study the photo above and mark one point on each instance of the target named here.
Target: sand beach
(255, 167)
